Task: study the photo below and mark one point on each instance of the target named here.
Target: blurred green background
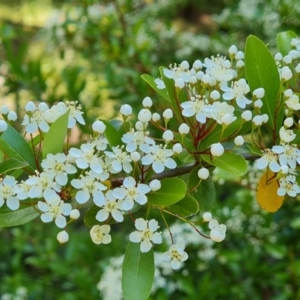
(94, 52)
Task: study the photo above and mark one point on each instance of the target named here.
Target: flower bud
(215, 95)
(30, 106)
(168, 114)
(4, 110)
(278, 56)
(217, 236)
(247, 115)
(184, 128)
(240, 64)
(258, 103)
(286, 73)
(232, 50)
(135, 156)
(287, 59)
(203, 173)
(144, 115)
(288, 122)
(177, 148)
(147, 102)
(43, 106)
(98, 126)
(155, 117)
(197, 64)
(179, 83)
(257, 120)
(126, 110)
(239, 140)
(74, 214)
(265, 118)
(155, 185)
(63, 237)
(239, 55)
(259, 93)
(216, 149)
(185, 65)
(207, 216)
(168, 135)
(12, 116)
(3, 126)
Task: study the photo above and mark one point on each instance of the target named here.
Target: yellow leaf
(266, 194)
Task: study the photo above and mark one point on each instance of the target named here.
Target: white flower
(155, 185)
(176, 255)
(207, 217)
(42, 182)
(147, 102)
(88, 186)
(98, 126)
(286, 135)
(195, 107)
(268, 159)
(137, 139)
(288, 185)
(8, 191)
(146, 234)
(159, 158)
(286, 73)
(100, 234)
(54, 208)
(203, 173)
(238, 91)
(110, 205)
(131, 192)
(293, 102)
(36, 119)
(62, 237)
(86, 157)
(216, 149)
(239, 140)
(120, 160)
(288, 155)
(59, 164)
(126, 110)
(221, 112)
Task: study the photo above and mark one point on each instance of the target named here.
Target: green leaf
(55, 137)
(112, 135)
(18, 217)
(204, 193)
(150, 80)
(284, 41)
(90, 216)
(186, 207)
(172, 190)
(12, 164)
(15, 146)
(254, 149)
(229, 162)
(137, 273)
(261, 71)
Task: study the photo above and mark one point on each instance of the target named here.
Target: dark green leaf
(112, 135)
(172, 190)
(15, 146)
(186, 207)
(12, 164)
(261, 71)
(19, 217)
(137, 273)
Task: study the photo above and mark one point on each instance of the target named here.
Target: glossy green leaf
(186, 207)
(112, 135)
(284, 41)
(90, 216)
(150, 80)
(137, 273)
(261, 71)
(202, 191)
(18, 217)
(172, 190)
(229, 162)
(15, 146)
(55, 137)
(254, 149)
(12, 164)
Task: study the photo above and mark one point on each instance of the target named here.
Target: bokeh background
(94, 52)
